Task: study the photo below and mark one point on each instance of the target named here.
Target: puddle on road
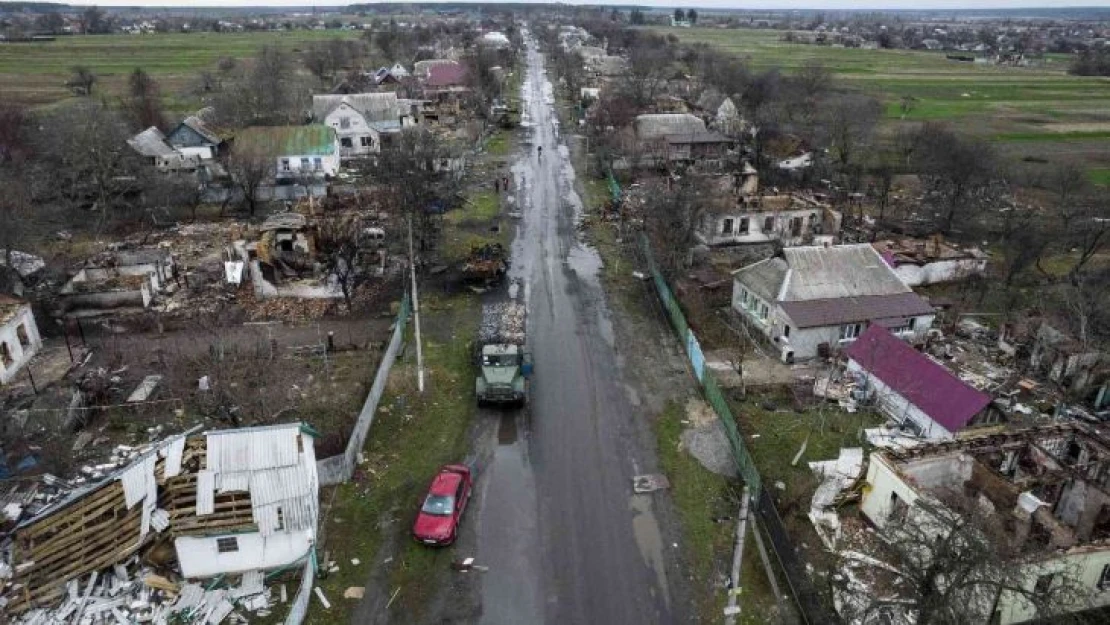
(649, 539)
(507, 429)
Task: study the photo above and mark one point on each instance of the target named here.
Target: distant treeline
(36, 7)
(1091, 63)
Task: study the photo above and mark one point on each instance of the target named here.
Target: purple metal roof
(446, 75)
(933, 389)
(839, 310)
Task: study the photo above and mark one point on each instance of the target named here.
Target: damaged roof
(448, 74)
(938, 393)
(151, 143)
(374, 107)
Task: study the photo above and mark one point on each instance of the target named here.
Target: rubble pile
(134, 593)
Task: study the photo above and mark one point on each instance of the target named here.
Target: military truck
(503, 361)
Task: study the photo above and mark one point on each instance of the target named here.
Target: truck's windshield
(500, 360)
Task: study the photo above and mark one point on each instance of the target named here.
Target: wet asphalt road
(565, 540)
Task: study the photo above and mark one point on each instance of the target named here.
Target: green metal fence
(744, 462)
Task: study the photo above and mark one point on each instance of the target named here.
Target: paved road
(565, 539)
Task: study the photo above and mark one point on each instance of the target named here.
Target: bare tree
(648, 65)
(671, 218)
(849, 122)
(339, 241)
(144, 104)
(417, 178)
(326, 58)
(15, 209)
(951, 563)
(86, 152)
(250, 169)
(14, 141)
(267, 92)
(82, 80)
(1089, 233)
(960, 174)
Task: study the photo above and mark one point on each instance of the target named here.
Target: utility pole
(416, 316)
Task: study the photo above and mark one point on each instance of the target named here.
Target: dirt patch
(699, 413)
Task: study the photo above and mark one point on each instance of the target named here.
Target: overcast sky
(748, 4)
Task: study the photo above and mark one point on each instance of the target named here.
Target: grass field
(35, 73)
(1036, 111)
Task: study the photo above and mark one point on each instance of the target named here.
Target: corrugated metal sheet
(206, 498)
(252, 450)
(274, 485)
(134, 484)
(174, 451)
(232, 482)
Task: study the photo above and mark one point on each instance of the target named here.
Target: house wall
(940, 271)
(750, 312)
(883, 480)
(19, 352)
(356, 130)
(897, 407)
(202, 152)
(806, 341)
(712, 231)
(1086, 567)
(329, 164)
(199, 556)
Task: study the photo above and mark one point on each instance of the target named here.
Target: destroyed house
(679, 138)
(19, 336)
(117, 280)
(814, 301)
(740, 216)
(931, 261)
(1080, 370)
(194, 139)
(922, 396)
(1047, 487)
(231, 501)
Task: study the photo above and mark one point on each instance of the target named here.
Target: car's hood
(432, 526)
(499, 375)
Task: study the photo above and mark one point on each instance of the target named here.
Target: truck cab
(504, 370)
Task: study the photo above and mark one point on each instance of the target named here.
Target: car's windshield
(502, 360)
(439, 505)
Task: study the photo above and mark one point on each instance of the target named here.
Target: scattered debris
(650, 483)
(354, 592)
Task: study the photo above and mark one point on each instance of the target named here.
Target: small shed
(922, 395)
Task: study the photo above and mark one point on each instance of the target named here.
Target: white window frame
(850, 331)
(726, 225)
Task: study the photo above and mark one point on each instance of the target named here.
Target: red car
(437, 523)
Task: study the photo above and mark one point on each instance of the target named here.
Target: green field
(35, 73)
(1033, 111)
